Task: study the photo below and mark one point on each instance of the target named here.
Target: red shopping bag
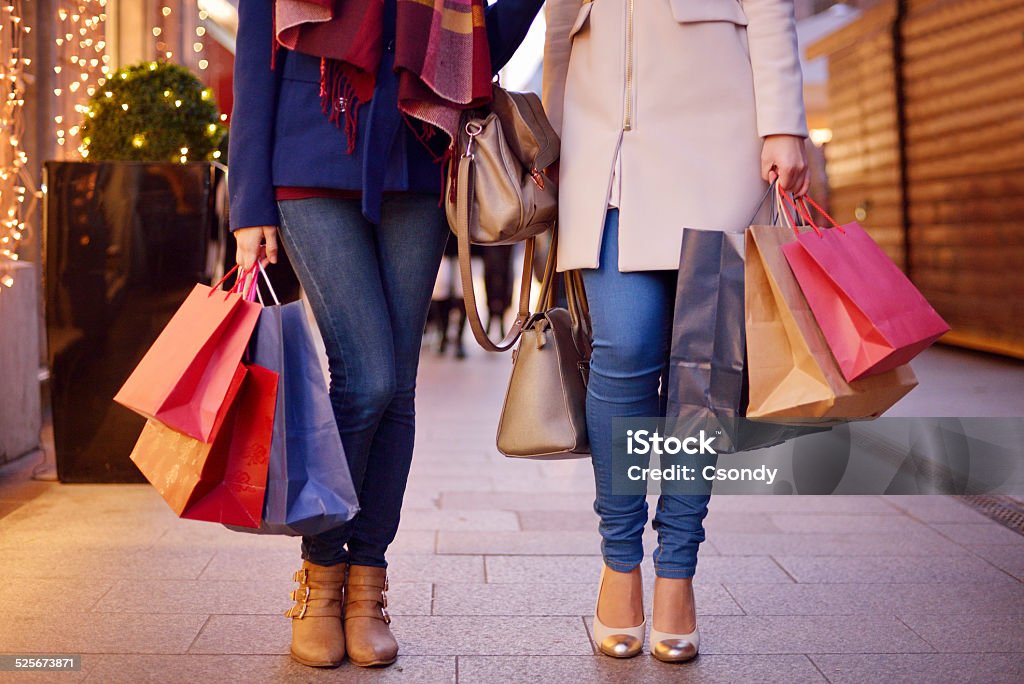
(224, 481)
(183, 380)
(871, 315)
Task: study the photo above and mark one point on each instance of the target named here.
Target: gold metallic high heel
(675, 648)
(617, 642)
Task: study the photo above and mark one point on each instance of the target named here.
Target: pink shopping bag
(183, 380)
(871, 315)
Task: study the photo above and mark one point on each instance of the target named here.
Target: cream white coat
(670, 100)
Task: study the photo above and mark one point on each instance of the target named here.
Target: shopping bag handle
(802, 212)
(254, 291)
(760, 203)
(241, 279)
(802, 202)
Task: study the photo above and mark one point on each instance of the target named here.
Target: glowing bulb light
(18, 193)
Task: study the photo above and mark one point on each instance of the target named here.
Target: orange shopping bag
(183, 380)
(223, 481)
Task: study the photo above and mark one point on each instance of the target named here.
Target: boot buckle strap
(301, 576)
(302, 607)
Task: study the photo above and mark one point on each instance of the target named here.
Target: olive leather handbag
(544, 414)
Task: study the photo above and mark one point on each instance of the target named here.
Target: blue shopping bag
(309, 487)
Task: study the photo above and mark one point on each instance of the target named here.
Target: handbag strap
(575, 294)
(464, 217)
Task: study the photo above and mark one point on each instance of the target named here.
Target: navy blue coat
(280, 136)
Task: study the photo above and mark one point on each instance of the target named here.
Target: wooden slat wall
(964, 71)
(964, 109)
(863, 157)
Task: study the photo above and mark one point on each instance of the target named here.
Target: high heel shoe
(617, 642)
(675, 648)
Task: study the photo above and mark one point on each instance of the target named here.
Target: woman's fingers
(783, 157)
(805, 185)
(791, 177)
(249, 242)
(270, 240)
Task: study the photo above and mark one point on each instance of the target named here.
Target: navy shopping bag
(309, 487)
(708, 379)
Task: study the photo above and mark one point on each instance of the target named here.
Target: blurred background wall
(925, 112)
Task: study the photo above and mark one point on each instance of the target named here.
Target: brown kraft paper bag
(793, 374)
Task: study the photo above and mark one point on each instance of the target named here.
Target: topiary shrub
(154, 111)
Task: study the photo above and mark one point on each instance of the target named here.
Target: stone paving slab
(417, 520)
(890, 523)
(935, 509)
(879, 599)
(809, 634)
(924, 542)
(706, 669)
(587, 569)
(492, 635)
(936, 668)
(1009, 559)
(517, 501)
(59, 559)
(263, 597)
(531, 598)
(804, 505)
(68, 632)
(520, 543)
(894, 570)
(977, 533)
(970, 632)
(192, 668)
(50, 595)
(418, 635)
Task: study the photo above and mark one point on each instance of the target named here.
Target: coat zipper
(627, 116)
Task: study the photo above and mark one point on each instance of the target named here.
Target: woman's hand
(256, 242)
(784, 157)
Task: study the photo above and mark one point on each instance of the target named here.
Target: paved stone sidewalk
(495, 569)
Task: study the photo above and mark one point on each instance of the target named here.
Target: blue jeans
(632, 319)
(369, 287)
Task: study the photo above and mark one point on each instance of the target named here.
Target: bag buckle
(473, 129)
(537, 177)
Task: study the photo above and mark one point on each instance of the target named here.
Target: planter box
(125, 242)
(20, 416)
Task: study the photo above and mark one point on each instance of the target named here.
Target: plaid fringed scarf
(441, 56)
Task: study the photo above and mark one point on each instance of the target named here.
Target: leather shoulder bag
(544, 414)
(498, 192)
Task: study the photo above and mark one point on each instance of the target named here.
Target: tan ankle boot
(318, 639)
(368, 637)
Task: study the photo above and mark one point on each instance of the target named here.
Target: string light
(163, 50)
(18, 194)
(81, 68)
(199, 46)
